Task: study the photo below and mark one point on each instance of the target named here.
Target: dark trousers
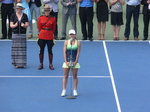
(55, 14)
(86, 16)
(146, 20)
(132, 11)
(42, 43)
(6, 11)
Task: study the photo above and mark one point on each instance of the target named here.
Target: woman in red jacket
(46, 27)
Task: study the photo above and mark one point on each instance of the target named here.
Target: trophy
(70, 63)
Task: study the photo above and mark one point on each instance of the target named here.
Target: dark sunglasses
(46, 10)
(72, 34)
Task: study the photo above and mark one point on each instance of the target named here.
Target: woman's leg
(74, 72)
(103, 30)
(99, 30)
(118, 30)
(114, 30)
(65, 79)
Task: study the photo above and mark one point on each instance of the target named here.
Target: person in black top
(146, 17)
(19, 24)
(102, 17)
(6, 12)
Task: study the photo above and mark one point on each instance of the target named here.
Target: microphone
(71, 63)
(71, 41)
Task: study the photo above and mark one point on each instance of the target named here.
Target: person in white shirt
(132, 9)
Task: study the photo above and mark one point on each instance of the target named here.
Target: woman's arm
(28, 1)
(64, 51)
(78, 52)
(17, 1)
(113, 2)
(106, 1)
(79, 1)
(122, 2)
(25, 25)
(12, 25)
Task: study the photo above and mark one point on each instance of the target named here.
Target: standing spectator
(109, 8)
(0, 3)
(46, 27)
(54, 12)
(34, 5)
(146, 17)
(86, 16)
(116, 16)
(72, 49)
(102, 17)
(19, 23)
(26, 6)
(6, 12)
(69, 9)
(132, 9)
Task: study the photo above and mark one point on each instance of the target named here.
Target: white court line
(52, 76)
(112, 78)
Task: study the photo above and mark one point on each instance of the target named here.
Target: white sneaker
(63, 93)
(75, 93)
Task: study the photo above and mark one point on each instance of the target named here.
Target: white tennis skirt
(66, 66)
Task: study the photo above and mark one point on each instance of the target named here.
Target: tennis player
(71, 47)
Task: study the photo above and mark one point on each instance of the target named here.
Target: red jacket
(47, 30)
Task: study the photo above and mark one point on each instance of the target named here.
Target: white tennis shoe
(63, 93)
(75, 93)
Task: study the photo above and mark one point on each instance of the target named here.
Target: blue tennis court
(114, 77)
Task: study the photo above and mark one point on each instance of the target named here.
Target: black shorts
(42, 43)
(116, 18)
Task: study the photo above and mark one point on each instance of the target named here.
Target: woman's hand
(22, 24)
(12, 25)
(16, 24)
(67, 63)
(25, 25)
(74, 63)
